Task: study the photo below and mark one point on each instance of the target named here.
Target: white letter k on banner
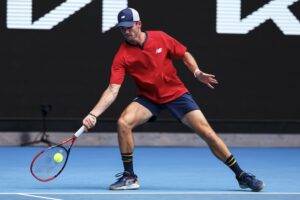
(229, 17)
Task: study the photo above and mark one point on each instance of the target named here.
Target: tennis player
(147, 57)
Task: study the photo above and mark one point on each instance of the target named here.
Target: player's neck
(139, 40)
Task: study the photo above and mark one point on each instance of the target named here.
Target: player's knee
(208, 134)
(123, 124)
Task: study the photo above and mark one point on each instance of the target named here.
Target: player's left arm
(191, 64)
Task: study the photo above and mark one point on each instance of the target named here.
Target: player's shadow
(64, 186)
(189, 189)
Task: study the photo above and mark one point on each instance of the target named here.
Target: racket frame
(72, 139)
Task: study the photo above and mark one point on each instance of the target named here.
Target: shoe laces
(249, 176)
(122, 175)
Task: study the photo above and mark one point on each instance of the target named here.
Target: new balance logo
(159, 50)
(229, 17)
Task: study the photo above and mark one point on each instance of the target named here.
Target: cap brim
(125, 24)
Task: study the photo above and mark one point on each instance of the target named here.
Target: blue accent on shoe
(247, 180)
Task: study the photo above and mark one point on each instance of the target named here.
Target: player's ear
(139, 23)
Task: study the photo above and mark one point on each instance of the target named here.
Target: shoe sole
(130, 187)
(257, 190)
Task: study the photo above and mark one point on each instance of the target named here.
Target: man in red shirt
(147, 57)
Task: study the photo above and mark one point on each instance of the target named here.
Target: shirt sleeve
(117, 74)
(176, 49)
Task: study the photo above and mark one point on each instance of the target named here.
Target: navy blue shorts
(178, 107)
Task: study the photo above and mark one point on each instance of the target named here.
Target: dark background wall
(69, 66)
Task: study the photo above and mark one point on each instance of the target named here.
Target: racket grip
(80, 131)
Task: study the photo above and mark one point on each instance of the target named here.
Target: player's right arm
(107, 98)
(110, 94)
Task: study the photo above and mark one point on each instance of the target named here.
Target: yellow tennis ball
(58, 157)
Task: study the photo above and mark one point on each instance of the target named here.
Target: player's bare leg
(196, 120)
(134, 115)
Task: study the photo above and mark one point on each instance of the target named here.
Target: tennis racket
(44, 167)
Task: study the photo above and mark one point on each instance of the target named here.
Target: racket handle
(80, 131)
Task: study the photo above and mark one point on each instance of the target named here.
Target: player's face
(131, 34)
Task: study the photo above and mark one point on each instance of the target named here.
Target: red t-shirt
(151, 67)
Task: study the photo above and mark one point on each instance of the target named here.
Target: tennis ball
(58, 157)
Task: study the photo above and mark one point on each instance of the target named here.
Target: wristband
(195, 72)
(93, 115)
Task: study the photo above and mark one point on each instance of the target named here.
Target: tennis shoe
(247, 180)
(125, 181)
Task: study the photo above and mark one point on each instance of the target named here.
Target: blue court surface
(164, 174)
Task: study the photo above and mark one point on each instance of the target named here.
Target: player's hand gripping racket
(50, 162)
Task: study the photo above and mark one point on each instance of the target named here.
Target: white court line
(40, 197)
(156, 193)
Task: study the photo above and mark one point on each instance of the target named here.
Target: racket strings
(45, 166)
